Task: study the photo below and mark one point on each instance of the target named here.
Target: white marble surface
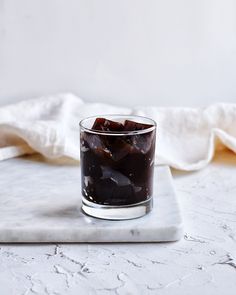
(204, 262)
(40, 201)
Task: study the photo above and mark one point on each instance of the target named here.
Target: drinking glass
(117, 169)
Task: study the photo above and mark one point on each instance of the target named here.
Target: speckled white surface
(40, 202)
(204, 262)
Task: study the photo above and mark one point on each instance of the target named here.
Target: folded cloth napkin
(186, 137)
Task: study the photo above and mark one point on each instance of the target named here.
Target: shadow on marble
(71, 211)
(63, 161)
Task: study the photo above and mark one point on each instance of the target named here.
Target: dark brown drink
(117, 162)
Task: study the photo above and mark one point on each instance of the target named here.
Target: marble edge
(166, 234)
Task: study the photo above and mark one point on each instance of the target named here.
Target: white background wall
(163, 52)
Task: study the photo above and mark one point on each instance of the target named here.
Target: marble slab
(40, 202)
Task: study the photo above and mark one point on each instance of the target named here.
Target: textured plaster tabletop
(203, 262)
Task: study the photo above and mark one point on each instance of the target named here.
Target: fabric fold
(187, 138)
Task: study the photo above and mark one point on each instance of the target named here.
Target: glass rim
(117, 133)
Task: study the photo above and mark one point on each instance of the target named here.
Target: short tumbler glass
(117, 169)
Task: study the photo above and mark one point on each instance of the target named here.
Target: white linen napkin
(186, 137)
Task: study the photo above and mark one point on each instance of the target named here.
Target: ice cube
(142, 142)
(98, 145)
(90, 165)
(117, 177)
(103, 124)
(121, 147)
(109, 193)
(134, 126)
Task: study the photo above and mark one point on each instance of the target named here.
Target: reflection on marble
(40, 202)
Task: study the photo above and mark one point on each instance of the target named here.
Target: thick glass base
(117, 212)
